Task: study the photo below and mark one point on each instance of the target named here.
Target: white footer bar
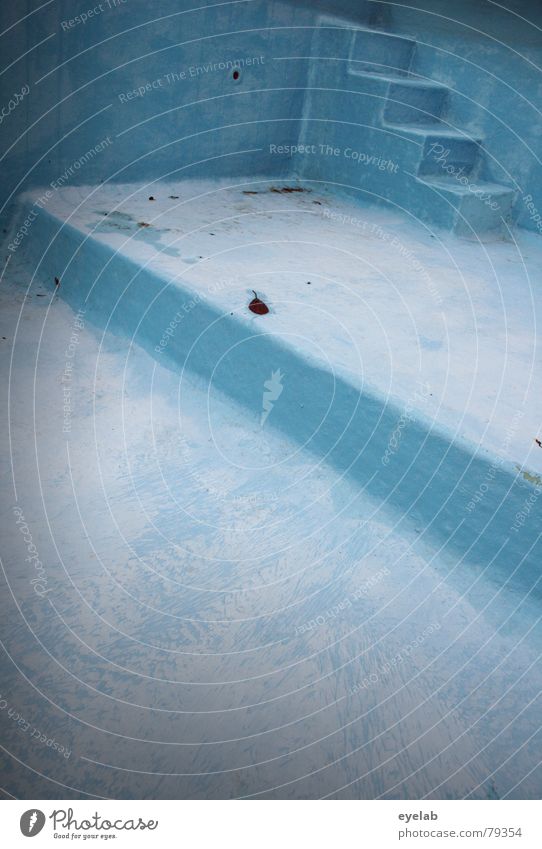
(273, 824)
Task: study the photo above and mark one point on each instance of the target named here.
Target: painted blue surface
(222, 615)
(428, 478)
(290, 611)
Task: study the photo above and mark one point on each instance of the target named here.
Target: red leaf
(258, 306)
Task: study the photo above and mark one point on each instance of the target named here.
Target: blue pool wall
(205, 115)
(209, 124)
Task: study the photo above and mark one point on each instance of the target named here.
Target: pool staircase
(364, 85)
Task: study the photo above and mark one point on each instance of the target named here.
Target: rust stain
(287, 190)
(534, 479)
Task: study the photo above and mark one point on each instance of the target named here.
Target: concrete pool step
(381, 52)
(413, 101)
(477, 207)
(441, 146)
(175, 275)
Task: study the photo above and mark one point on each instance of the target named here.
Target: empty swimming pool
(272, 420)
